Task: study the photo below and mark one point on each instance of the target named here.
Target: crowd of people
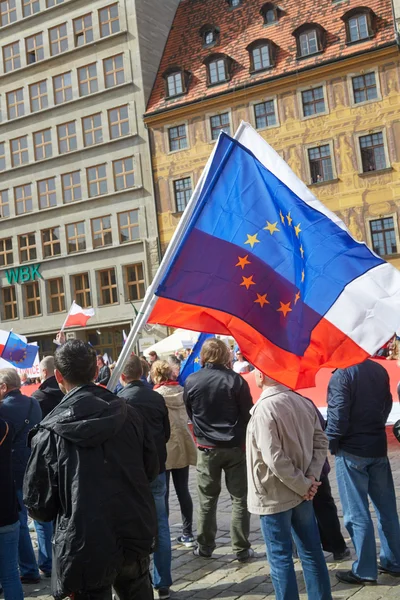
(93, 469)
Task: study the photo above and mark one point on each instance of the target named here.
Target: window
(8, 12)
(97, 180)
(364, 88)
(118, 120)
(71, 186)
(217, 69)
(62, 88)
(320, 163)
(19, 151)
(234, 3)
(47, 193)
(27, 247)
(83, 30)
(313, 101)
(264, 114)
(76, 239)
(58, 39)
(177, 138)
(101, 232)
(128, 223)
(109, 21)
(372, 152)
(182, 193)
(134, 282)
(9, 303)
(56, 295)
(310, 39)
(209, 35)
(51, 242)
(260, 57)
(2, 156)
(220, 123)
(81, 290)
(6, 252)
(4, 204)
(66, 137)
(38, 96)
(32, 299)
(107, 287)
(87, 77)
(50, 3)
(11, 57)
(114, 70)
(359, 24)
(92, 131)
(23, 199)
(124, 175)
(383, 236)
(42, 143)
(34, 48)
(175, 83)
(270, 13)
(30, 7)
(15, 103)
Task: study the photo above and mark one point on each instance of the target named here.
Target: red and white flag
(77, 316)
(4, 335)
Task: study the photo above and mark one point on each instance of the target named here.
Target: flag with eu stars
(262, 260)
(19, 353)
(192, 363)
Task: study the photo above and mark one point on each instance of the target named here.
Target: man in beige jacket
(286, 449)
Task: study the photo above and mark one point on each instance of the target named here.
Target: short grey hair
(11, 378)
(47, 364)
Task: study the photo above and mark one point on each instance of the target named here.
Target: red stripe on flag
(329, 347)
(77, 320)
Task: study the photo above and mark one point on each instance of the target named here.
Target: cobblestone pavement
(223, 577)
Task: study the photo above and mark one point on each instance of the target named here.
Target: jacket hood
(173, 395)
(86, 419)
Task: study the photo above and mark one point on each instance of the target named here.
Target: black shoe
(349, 577)
(339, 556)
(30, 580)
(198, 552)
(384, 571)
(245, 555)
(163, 593)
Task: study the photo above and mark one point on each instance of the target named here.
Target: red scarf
(165, 383)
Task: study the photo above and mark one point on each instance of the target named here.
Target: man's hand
(60, 338)
(313, 489)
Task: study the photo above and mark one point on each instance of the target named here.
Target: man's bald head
(46, 367)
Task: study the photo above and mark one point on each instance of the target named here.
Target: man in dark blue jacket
(22, 414)
(359, 403)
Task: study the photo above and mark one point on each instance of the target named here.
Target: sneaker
(30, 580)
(198, 552)
(186, 540)
(385, 571)
(163, 593)
(245, 555)
(349, 577)
(339, 556)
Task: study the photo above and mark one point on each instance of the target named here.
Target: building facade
(76, 196)
(320, 81)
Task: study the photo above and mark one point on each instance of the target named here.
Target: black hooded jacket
(91, 463)
(48, 395)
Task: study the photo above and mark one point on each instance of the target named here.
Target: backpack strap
(26, 421)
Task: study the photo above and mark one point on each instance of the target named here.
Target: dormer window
(210, 35)
(234, 3)
(176, 82)
(262, 55)
(358, 24)
(218, 68)
(270, 13)
(310, 39)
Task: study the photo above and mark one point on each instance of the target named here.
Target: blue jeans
(27, 561)
(359, 478)
(44, 533)
(277, 530)
(162, 556)
(9, 574)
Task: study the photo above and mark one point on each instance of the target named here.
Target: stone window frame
(6, 252)
(306, 88)
(9, 302)
(21, 151)
(54, 242)
(29, 247)
(15, 100)
(58, 295)
(42, 98)
(76, 237)
(33, 300)
(25, 198)
(263, 100)
(208, 116)
(82, 30)
(325, 142)
(350, 77)
(47, 193)
(130, 226)
(368, 220)
(34, 51)
(83, 293)
(139, 283)
(59, 44)
(357, 137)
(42, 144)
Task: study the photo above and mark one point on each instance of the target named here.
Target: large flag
(17, 352)
(263, 260)
(78, 316)
(192, 363)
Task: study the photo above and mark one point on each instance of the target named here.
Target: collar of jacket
(272, 390)
(47, 382)
(214, 366)
(13, 393)
(135, 383)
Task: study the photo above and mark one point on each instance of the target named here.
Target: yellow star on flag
(289, 219)
(297, 229)
(302, 251)
(282, 217)
(271, 227)
(248, 281)
(303, 276)
(243, 261)
(297, 298)
(252, 240)
(197, 360)
(285, 308)
(261, 300)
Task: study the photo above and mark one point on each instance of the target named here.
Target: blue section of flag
(18, 353)
(192, 363)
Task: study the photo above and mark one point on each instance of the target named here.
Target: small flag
(78, 316)
(192, 363)
(19, 353)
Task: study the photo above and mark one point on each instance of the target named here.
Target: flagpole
(66, 318)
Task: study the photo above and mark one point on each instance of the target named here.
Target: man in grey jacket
(286, 450)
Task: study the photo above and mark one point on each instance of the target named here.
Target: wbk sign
(23, 274)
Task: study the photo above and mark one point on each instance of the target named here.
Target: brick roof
(241, 26)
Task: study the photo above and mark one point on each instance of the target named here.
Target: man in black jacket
(218, 402)
(104, 372)
(359, 403)
(91, 463)
(48, 394)
(153, 409)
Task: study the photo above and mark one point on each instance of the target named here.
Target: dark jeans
(28, 566)
(327, 518)
(132, 583)
(180, 478)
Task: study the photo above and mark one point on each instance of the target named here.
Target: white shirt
(241, 366)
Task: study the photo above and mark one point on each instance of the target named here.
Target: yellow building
(321, 85)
